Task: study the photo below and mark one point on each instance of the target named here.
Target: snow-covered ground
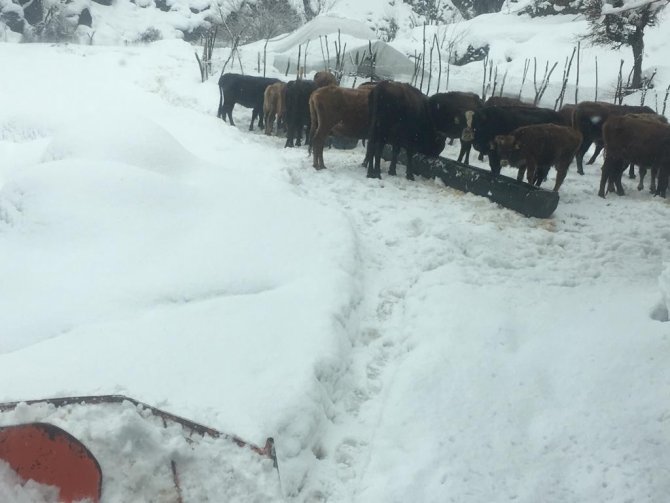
(399, 341)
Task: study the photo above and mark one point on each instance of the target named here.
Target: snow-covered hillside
(399, 341)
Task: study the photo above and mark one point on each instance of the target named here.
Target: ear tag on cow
(517, 146)
(456, 121)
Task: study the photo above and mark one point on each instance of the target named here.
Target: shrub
(149, 35)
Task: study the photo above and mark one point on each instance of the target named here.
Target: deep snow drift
(400, 341)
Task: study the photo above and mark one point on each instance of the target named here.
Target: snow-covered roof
(320, 26)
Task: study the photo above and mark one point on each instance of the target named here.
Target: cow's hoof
(632, 177)
(410, 177)
(580, 171)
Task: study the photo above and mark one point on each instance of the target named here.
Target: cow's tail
(314, 121)
(374, 133)
(219, 114)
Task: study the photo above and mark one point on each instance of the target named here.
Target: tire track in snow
(387, 227)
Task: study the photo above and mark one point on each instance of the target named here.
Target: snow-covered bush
(539, 8)
(58, 24)
(261, 19)
(149, 35)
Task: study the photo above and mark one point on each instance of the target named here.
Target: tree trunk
(637, 44)
(309, 12)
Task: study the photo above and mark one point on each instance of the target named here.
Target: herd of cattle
(506, 130)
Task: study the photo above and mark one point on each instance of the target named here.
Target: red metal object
(49, 455)
(267, 451)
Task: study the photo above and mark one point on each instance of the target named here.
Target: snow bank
(127, 138)
(16, 490)
(115, 258)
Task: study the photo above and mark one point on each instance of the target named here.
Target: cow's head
(470, 127)
(508, 148)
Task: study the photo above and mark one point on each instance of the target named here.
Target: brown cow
(589, 117)
(273, 106)
(642, 139)
(323, 79)
(342, 110)
(538, 147)
(643, 169)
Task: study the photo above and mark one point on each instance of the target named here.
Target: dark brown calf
(589, 118)
(342, 110)
(538, 147)
(637, 139)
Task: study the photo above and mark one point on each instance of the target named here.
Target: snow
(399, 341)
(16, 490)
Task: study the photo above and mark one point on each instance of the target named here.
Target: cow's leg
(662, 180)
(541, 175)
(604, 175)
(654, 176)
(367, 158)
(494, 162)
(269, 122)
(395, 150)
(596, 153)
(579, 157)
(290, 133)
(261, 123)
(254, 114)
(464, 154)
(643, 173)
(561, 172)
(299, 131)
(617, 179)
(317, 144)
(409, 174)
(374, 169)
(631, 171)
(369, 154)
(531, 171)
(219, 112)
(521, 170)
(611, 174)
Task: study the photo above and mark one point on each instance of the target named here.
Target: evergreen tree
(615, 23)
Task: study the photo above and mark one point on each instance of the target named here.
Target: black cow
(296, 106)
(449, 109)
(246, 90)
(400, 115)
(490, 121)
